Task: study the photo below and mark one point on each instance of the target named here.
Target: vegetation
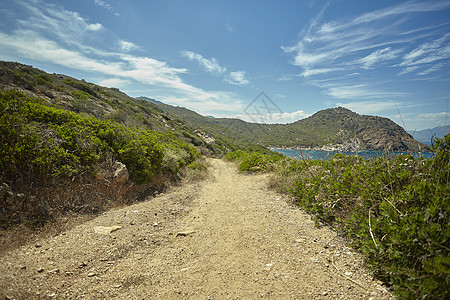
(43, 144)
(253, 162)
(336, 126)
(40, 142)
(394, 209)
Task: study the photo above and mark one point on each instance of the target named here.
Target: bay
(322, 154)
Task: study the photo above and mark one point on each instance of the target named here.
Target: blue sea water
(321, 154)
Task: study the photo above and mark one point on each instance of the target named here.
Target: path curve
(228, 237)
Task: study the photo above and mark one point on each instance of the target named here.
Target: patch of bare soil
(228, 237)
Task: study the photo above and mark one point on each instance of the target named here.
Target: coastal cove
(322, 154)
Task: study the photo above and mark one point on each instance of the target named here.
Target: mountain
(425, 136)
(333, 128)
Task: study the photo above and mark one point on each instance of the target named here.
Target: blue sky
(373, 57)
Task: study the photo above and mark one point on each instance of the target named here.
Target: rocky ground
(228, 237)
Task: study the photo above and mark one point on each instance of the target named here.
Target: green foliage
(40, 142)
(80, 94)
(395, 209)
(254, 162)
(197, 170)
(237, 155)
(81, 86)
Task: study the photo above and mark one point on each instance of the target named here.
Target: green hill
(334, 128)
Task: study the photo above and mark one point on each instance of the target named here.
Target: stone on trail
(106, 230)
(185, 233)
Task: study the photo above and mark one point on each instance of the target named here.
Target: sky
(262, 61)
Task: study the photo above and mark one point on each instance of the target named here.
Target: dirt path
(225, 238)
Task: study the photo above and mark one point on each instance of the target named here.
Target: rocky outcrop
(112, 172)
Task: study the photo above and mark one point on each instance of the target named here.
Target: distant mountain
(334, 128)
(426, 135)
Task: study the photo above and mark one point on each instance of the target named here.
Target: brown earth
(228, 237)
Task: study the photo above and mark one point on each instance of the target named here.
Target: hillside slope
(79, 96)
(334, 128)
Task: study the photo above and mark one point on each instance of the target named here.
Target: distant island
(428, 135)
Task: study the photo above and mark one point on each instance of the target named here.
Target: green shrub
(197, 170)
(235, 155)
(40, 142)
(254, 162)
(394, 209)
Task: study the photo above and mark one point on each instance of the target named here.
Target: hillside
(334, 128)
(79, 96)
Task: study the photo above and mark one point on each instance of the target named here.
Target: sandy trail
(228, 237)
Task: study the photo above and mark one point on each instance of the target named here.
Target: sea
(321, 154)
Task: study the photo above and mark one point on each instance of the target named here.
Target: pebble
(185, 233)
(92, 274)
(40, 270)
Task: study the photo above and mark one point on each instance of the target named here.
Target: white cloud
(274, 118)
(237, 78)
(427, 53)
(43, 37)
(95, 27)
(426, 121)
(28, 44)
(114, 82)
(219, 104)
(312, 72)
(378, 56)
(51, 22)
(408, 70)
(403, 8)
(440, 118)
(210, 65)
(371, 107)
(367, 43)
(431, 69)
(106, 5)
(127, 46)
(358, 92)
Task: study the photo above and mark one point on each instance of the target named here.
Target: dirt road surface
(228, 237)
